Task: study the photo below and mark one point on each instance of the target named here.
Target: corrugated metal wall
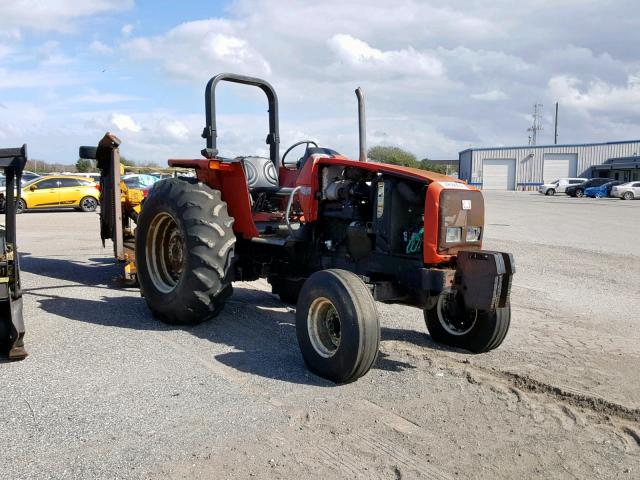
(529, 160)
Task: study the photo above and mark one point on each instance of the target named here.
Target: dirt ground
(108, 392)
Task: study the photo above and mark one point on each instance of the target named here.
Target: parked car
(601, 191)
(28, 177)
(559, 186)
(626, 191)
(59, 191)
(578, 190)
(141, 182)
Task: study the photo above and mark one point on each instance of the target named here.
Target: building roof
(550, 146)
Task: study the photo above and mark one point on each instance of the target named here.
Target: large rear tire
(184, 250)
(473, 330)
(337, 326)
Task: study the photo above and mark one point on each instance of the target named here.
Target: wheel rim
(89, 203)
(579, 193)
(165, 252)
(628, 196)
(324, 327)
(453, 317)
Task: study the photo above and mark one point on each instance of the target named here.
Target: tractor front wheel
(337, 326)
(184, 249)
(450, 323)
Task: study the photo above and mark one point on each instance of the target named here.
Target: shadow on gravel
(100, 273)
(253, 322)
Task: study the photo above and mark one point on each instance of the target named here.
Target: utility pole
(537, 126)
(555, 136)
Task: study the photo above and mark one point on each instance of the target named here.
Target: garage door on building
(559, 165)
(499, 174)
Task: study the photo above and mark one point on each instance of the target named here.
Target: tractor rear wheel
(184, 249)
(451, 324)
(337, 325)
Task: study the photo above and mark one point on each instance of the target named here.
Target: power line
(537, 125)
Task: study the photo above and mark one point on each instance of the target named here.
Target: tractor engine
(364, 212)
(346, 212)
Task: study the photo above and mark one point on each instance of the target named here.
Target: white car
(559, 186)
(626, 191)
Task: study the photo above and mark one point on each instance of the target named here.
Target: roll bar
(210, 133)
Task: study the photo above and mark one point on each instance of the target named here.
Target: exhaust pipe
(362, 126)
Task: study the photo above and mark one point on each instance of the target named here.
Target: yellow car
(80, 193)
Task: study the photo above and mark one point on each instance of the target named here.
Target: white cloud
(127, 30)
(92, 96)
(58, 15)
(101, 48)
(360, 55)
(184, 49)
(35, 78)
(490, 96)
(10, 33)
(598, 96)
(177, 130)
(124, 122)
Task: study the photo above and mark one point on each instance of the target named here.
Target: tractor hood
(413, 173)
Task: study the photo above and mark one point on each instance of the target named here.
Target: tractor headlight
(473, 234)
(454, 234)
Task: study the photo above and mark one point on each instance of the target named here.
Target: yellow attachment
(130, 270)
(134, 196)
(130, 196)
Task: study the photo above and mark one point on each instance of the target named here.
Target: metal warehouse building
(511, 168)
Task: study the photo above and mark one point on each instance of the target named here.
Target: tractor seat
(262, 176)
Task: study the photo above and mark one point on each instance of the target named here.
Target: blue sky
(439, 76)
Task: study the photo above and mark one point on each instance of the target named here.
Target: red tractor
(331, 235)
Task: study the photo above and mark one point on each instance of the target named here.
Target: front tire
(627, 196)
(551, 192)
(450, 324)
(337, 326)
(184, 249)
(579, 193)
(88, 204)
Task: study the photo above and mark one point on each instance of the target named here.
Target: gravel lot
(108, 392)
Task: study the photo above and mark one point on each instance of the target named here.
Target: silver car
(626, 191)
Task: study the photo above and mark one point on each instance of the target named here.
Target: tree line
(398, 156)
(84, 165)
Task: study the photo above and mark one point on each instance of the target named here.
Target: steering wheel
(303, 142)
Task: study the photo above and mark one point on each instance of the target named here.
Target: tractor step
(276, 241)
